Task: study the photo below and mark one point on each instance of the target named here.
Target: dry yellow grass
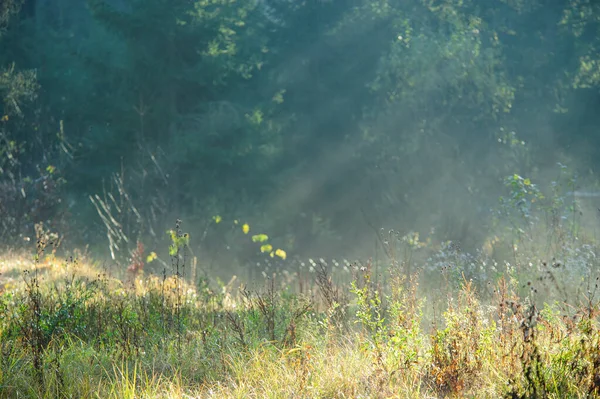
(483, 351)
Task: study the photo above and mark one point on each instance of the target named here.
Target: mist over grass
(299, 199)
(424, 321)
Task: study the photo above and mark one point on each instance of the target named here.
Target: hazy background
(316, 122)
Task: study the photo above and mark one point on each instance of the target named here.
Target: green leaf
(260, 238)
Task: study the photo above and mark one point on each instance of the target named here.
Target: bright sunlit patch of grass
(70, 330)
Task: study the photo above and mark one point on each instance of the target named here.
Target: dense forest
(317, 121)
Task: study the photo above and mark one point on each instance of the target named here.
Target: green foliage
(369, 311)
(260, 238)
(16, 88)
(246, 104)
(393, 333)
(178, 242)
(69, 328)
(523, 194)
(7, 10)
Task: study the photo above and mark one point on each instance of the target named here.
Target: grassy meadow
(413, 325)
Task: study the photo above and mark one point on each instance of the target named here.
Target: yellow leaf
(217, 219)
(281, 253)
(272, 254)
(151, 257)
(245, 228)
(266, 248)
(527, 182)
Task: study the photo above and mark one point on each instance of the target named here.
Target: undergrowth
(429, 321)
(70, 329)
